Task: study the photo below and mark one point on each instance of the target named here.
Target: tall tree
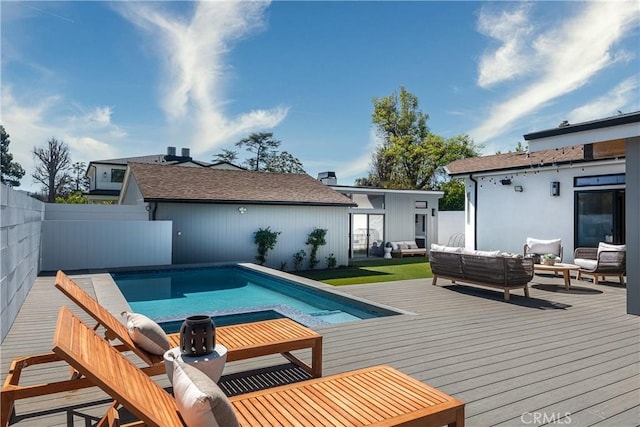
(262, 145)
(267, 157)
(11, 171)
(52, 164)
(410, 155)
(80, 180)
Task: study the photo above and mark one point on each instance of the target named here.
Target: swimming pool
(236, 294)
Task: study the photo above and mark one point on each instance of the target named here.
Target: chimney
(185, 152)
(171, 151)
(328, 178)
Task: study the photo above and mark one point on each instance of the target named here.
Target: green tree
(410, 155)
(283, 162)
(453, 199)
(52, 163)
(228, 156)
(80, 181)
(266, 240)
(12, 172)
(76, 198)
(267, 157)
(262, 145)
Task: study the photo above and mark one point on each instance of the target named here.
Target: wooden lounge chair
(377, 396)
(244, 341)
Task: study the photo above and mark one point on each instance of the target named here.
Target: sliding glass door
(599, 217)
(367, 235)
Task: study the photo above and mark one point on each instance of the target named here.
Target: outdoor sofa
(493, 269)
(406, 248)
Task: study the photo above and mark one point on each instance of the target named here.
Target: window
(117, 175)
(588, 181)
(422, 205)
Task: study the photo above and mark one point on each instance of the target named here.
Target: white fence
(75, 245)
(71, 212)
(20, 219)
(451, 227)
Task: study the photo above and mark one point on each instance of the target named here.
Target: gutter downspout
(475, 213)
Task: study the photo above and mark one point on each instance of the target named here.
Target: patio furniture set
(378, 395)
(508, 271)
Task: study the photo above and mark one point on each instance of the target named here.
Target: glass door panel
(599, 217)
(359, 235)
(376, 235)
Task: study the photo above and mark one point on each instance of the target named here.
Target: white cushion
(587, 264)
(609, 247)
(394, 246)
(537, 246)
(480, 253)
(199, 399)
(146, 333)
(442, 248)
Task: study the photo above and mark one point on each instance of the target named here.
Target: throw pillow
(146, 333)
(403, 246)
(609, 247)
(538, 246)
(199, 399)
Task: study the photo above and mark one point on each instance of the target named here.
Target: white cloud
(32, 124)
(567, 57)
(194, 51)
(512, 30)
(622, 95)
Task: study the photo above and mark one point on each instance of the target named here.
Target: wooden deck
(563, 357)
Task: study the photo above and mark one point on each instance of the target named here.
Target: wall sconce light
(518, 188)
(433, 211)
(242, 210)
(505, 181)
(555, 188)
(104, 174)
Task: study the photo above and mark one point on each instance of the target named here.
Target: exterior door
(599, 217)
(367, 235)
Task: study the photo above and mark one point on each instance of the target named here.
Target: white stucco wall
(451, 226)
(506, 217)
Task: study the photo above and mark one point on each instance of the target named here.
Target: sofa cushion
(442, 248)
(538, 246)
(481, 253)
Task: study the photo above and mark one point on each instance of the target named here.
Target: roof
(180, 184)
(518, 160)
(563, 129)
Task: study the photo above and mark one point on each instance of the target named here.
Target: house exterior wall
(505, 218)
(20, 232)
(70, 212)
(132, 195)
(207, 232)
(451, 227)
(400, 215)
(100, 177)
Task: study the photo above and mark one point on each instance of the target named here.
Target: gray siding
(70, 212)
(74, 245)
(20, 218)
(633, 224)
(220, 233)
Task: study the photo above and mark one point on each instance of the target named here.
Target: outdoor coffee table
(558, 267)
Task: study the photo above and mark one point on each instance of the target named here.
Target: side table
(211, 364)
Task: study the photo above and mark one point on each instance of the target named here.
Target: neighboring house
(106, 176)
(216, 212)
(384, 215)
(578, 182)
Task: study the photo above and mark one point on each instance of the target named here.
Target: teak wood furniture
(377, 396)
(242, 341)
(559, 267)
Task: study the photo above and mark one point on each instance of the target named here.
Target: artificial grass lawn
(372, 271)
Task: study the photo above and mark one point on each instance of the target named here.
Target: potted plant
(549, 259)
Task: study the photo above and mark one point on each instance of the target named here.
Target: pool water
(233, 294)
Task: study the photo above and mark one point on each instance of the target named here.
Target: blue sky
(119, 79)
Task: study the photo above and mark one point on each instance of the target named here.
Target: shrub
(316, 239)
(298, 259)
(266, 240)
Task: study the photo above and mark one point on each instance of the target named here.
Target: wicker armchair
(605, 260)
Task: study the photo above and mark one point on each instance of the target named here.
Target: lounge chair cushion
(199, 399)
(441, 248)
(586, 264)
(537, 246)
(146, 333)
(609, 247)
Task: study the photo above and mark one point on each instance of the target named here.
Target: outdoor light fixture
(242, 210)
(555, 188)
(518, 188)
(505, 181)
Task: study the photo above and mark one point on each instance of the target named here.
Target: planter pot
(197, 336)
(548, 261)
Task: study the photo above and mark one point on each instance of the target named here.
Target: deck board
(559, 352)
